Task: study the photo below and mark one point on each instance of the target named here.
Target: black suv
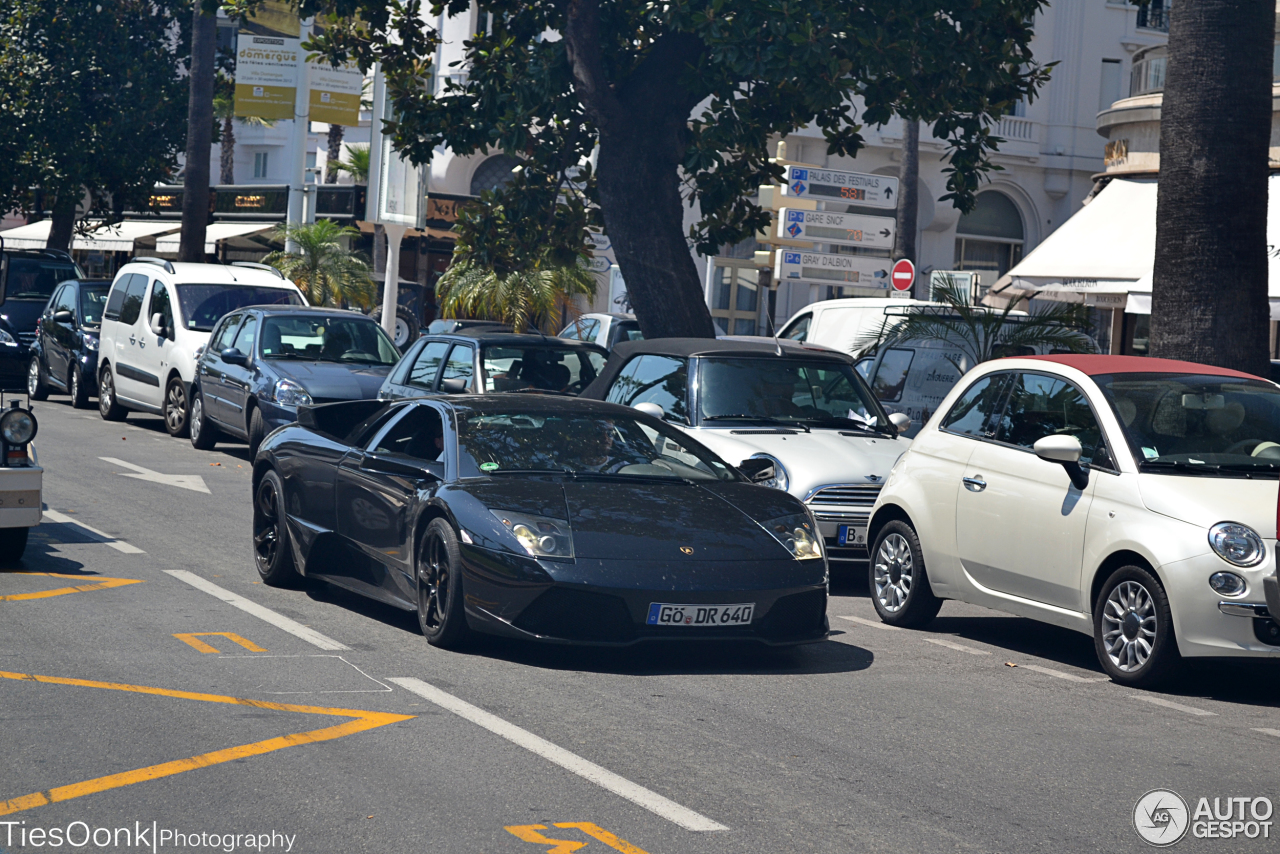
(27, 280)
(64, 356)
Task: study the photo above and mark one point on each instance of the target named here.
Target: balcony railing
(1154, 17)
(1017, 129)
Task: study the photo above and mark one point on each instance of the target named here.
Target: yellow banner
(335, 108)
(268, 102)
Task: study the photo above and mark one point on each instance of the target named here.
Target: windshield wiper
(1180, 465)
(764, 419)
(533, 390)
(528, 471)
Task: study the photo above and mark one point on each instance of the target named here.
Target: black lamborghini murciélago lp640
(547, 518)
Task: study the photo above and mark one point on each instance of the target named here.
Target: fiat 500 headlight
(780, 480)
(539, 535)
(798, 533)
(1237, 544)
(289, 393)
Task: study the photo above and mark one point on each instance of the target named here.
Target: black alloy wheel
(1133, 630)
(900, 588)
(272, 552)
(108, 408)
(37, 383)
(177, 411)
(440, 598)
(75, 387)
(204, 434)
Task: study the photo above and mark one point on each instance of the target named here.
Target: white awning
(1141, 304)
(214, 233)
(31, 236)
(121, 236)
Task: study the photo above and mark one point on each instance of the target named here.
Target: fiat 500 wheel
(1133, 629)
(899, 586)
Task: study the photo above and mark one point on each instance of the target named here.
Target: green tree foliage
(683, 98)
(323, 269)
(93, 101)
(981, 333)
(519, 298)
(356, 164)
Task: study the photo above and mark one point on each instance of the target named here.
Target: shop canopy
(119, 237)
(32, 236)
(1104, 254)
(215, 233)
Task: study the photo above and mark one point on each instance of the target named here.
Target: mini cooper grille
(578, 615)
(853, 495)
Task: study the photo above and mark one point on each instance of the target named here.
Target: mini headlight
(1237, 544)
(18, 426)
(1227, 584)
(798, 533)
(540, 536)
(780, 480)
(289, 393)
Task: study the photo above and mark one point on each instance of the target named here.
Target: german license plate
(661, 614)
(848, 535)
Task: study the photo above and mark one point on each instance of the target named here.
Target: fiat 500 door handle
(975, 484)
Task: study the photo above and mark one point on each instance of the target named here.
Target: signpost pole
(391, 285)
(298, 139)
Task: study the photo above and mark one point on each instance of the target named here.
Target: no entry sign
(904, 273)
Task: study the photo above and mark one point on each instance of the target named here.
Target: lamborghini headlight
(798, 533)
(539, 535)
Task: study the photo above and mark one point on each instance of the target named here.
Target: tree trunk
(336, 132)
(62, 222)
(379, 251)
(904, 245)
(195, 199)
(227, 153)
(638, 175)
(1209, 300)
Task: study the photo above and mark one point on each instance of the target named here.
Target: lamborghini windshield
(515, 441)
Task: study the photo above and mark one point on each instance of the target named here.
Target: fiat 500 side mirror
(1065, 451)
(900, 421)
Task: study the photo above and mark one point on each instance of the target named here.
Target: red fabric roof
(1093, 365)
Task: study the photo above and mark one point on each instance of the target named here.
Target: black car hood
(333, 380)
(647, 520)
(21, 314)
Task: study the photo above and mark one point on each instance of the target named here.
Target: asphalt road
(328, 720)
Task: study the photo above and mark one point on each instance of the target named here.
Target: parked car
(263, 363)
(21, 479)
(842, 324)
(444, 326)
(147, 357)
(64, 356)
(1128, 498)
(542, 518)
(27, 280)
(485, 360)
(802, 409)
(604, 329)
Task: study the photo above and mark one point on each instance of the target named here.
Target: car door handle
(133, 340)
(975, 484)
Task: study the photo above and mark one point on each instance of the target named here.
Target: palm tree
(357, 163)
(224, 110)
(518, 298)
(1209, 294)
(322, 268)
(981, 333)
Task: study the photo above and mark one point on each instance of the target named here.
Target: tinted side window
(654, 379)
(223, 337)
(247, 335)
(159, 304)
(66, 300)
(419, 434)
(798, 330)
(424, 370)
(1041, 405)
(573, 331)
(461, 364)
(891, 379)
(117, 296)
(972, 413)
(131, 308)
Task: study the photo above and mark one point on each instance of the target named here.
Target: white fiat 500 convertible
(1129, 498)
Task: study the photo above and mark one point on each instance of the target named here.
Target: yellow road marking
(363, 720)
(190, 638)
(102, 583)
(529, 833)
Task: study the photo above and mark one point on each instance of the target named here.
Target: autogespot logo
(1160, 817)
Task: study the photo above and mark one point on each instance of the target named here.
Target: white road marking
(1169, 704)
(1070, 677)
(958, 647)
(280, 621)
(1275, 733)
(118, 545)
(194, 482)
(872, 623)
(620, 786)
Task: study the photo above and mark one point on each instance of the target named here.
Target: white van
(841, 323)
(146, 358)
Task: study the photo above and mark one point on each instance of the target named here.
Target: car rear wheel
(177, 411)
(204, 435)
(108, 408)
(1133, 629)
(272, 552)
(75, 386)
(440, 612)
(37, 385)
(13, 542)
(899, 585)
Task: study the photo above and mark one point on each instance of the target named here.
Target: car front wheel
(37, 385)
(1133, 629)
(75, 385)
(204, 435)
(440, 609)
(271, 549)
(899, 586)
